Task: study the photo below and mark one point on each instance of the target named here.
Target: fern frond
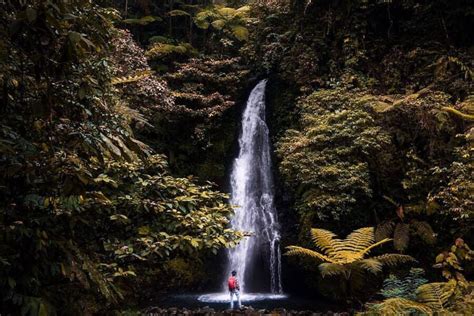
(359, 239)
(325, 240)
(401, 306)
(372, 265)
(300, 251)
(132, 78)
(424, 231)
(384, 230)
(401, 236)
(393, 286)
(394, 259)
(368, 249)
(331, 269)
(436, 295)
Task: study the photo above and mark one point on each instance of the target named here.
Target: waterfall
(252, 194)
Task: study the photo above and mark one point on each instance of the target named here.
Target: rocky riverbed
(247, 310)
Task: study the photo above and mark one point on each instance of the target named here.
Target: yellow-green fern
(132, 78)
(430, 298)
(340, 256)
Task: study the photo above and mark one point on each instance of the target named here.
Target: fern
(401, 236)
(332, 269)
(436, 295)
(372, 265)
(300, 251)
(133, 78)
(325, 240)
(394, 259)
(424, 231)
(402, 232)
(400, 306)
(430, 298)
(404, 288)
(360, 239)
(339, 255)
(384, 230)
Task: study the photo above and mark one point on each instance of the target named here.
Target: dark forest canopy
(118, 125)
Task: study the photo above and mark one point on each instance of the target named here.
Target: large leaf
(436, 295)
(325, 240)
(142, 21)
(178, 13)
(240, 32)
(225, 11)
(360, 239)
(372, 265)
(300, 251)
(401, 236)
(400, 306)
(330, 269)
(218, 24)
(394, 259)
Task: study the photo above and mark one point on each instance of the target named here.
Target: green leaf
(218, 24)
(119, 217)
(178, 13)
(144, 230)
(241, 33)
(142, 21)
(202, 24)
(195, 242)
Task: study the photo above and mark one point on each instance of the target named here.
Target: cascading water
(252, 193)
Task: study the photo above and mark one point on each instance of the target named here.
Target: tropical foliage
(231, 22)
(451, 297)
(337, 141)
(84, 203)
(394, 286)
(348, 257)
(108, 107)
(403, 229)
(430, 297)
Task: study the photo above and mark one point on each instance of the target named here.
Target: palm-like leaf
(436, 295)
(401, 306)
(401, 236)
(347, 256)
(332, 269)
(300, 251)
(372, 265)
(369, 248)
(384, 230)
(359, 239)
(394, 259)
(326, 241)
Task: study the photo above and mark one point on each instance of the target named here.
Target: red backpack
(232, 283)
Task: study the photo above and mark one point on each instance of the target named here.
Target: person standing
(234, 289)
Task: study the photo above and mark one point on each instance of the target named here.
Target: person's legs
(237, 293)
(231, 299)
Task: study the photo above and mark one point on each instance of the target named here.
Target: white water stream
(252, 193)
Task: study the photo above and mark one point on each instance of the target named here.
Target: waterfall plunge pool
(269, 301)
(245, 298)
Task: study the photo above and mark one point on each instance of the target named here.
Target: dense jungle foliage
(118, 126)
